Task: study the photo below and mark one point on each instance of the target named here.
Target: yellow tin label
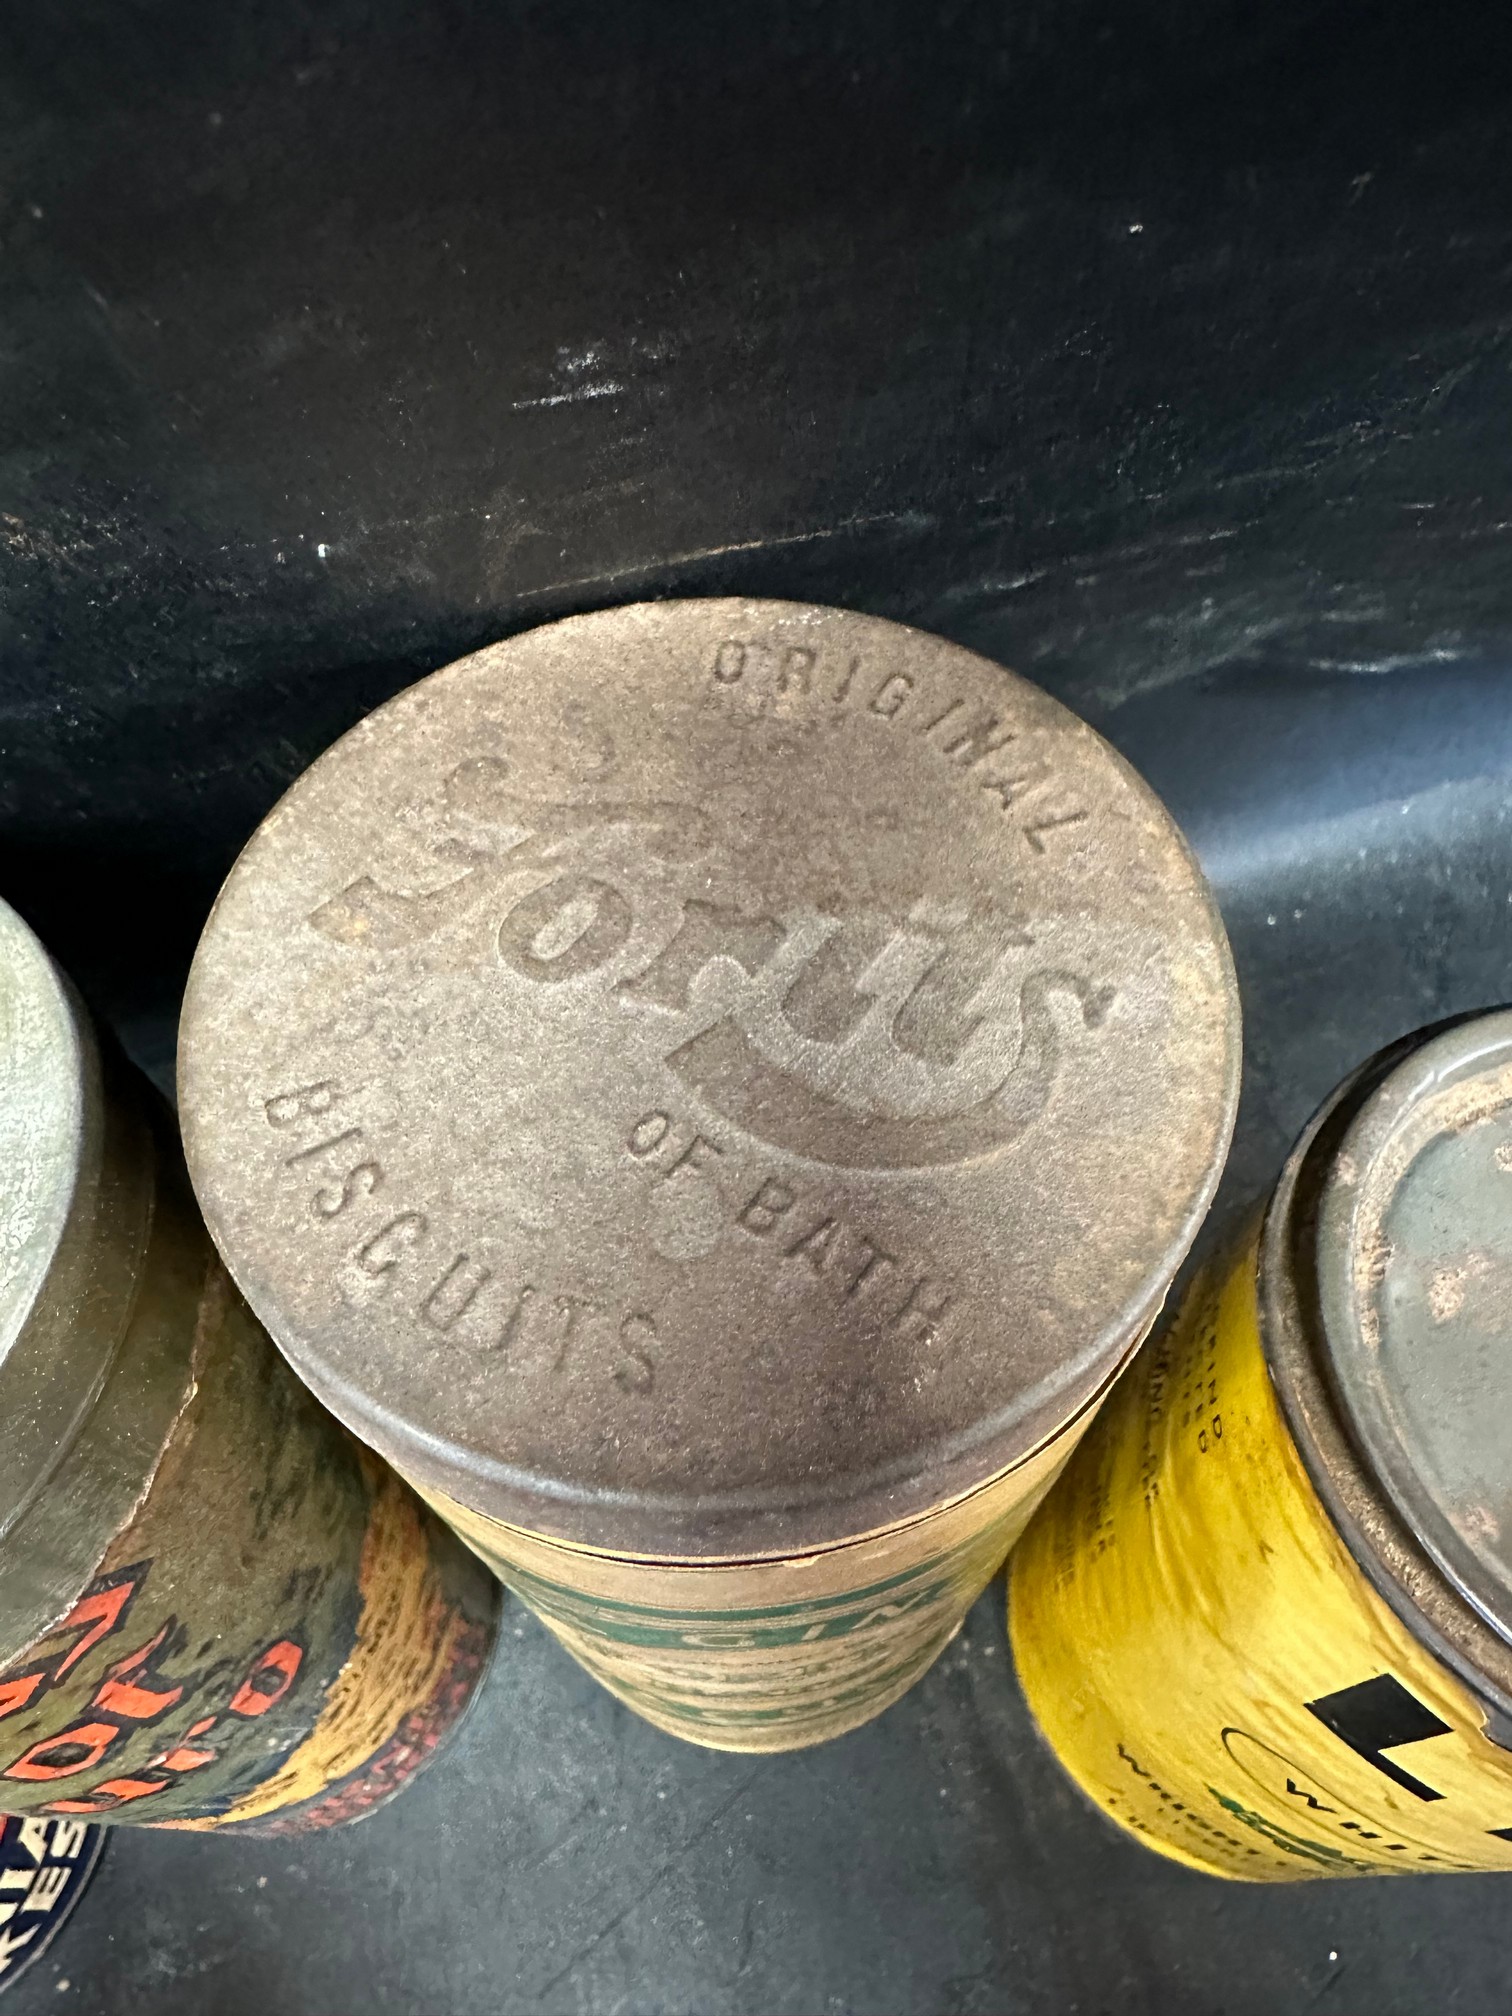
(770, 1655)
(1207, 1660)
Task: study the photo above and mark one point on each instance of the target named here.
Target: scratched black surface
(1160, 350)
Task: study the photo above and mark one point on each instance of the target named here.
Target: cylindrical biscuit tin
(715, 1091)
(216, 1608)
(1266, 1618)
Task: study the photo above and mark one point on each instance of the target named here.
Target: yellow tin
(1265, 1621)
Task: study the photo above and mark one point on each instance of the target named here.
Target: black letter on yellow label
(1378, 1715)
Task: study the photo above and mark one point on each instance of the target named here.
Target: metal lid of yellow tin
(74, 1211)
(711, 1078)
(1414, 1272)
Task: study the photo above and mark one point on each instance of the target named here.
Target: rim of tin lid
(51, 1134)
(1414, 1274)
(871, 919)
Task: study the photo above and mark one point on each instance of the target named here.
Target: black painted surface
(1160, 350)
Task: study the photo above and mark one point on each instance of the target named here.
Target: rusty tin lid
(1414, 1280)
(710, 1078)
(74, 1211)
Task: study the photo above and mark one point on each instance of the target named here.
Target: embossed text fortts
(870, 1040)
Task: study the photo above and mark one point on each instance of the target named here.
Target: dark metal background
(524, 309)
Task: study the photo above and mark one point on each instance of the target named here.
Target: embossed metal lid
(1414, 1274)
(72, 1221)
(713, 1077)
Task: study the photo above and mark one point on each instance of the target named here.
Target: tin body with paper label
(216, 1608)
(658, 1079)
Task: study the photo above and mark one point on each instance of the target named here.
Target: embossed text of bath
(921, 1037)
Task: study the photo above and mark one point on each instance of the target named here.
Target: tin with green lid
(216, 1608)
